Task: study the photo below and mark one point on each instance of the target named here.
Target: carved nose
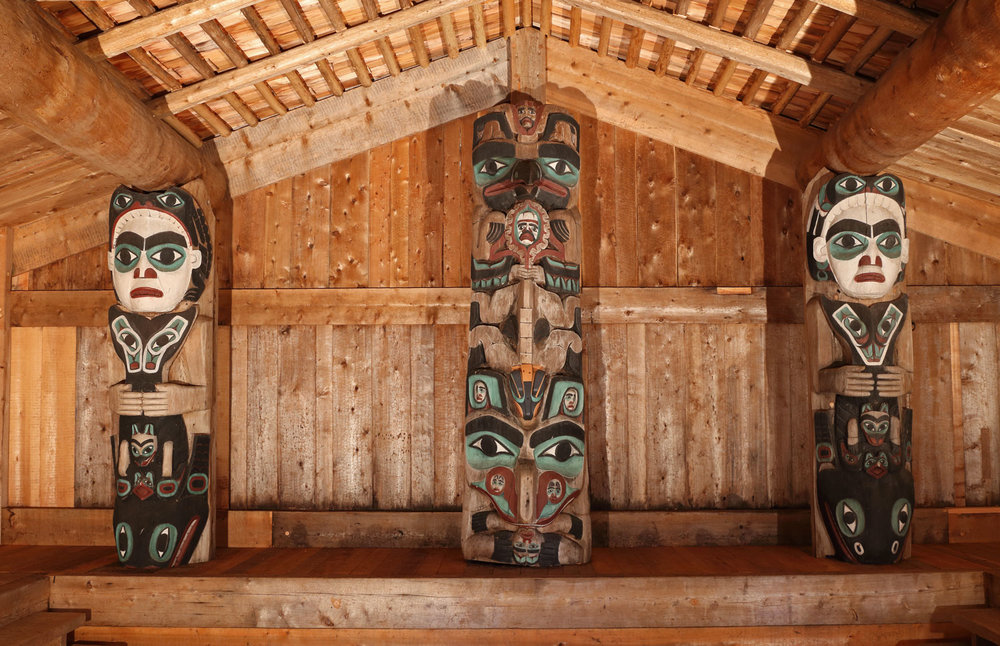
(867, 260)
(524, 475)
(149, 273)
(526, 171)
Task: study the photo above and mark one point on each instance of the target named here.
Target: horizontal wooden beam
(789, 66)
(302, 55)
(884, 14)
(61, 233)
(53, 89)
(928, 304)
(337, 128)
(957, 219)
(411, 529)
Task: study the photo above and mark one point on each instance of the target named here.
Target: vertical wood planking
(263, 449)
(456, 204)
(422, 415)
(928, 260)
(610, 409)
(349, 222)
(354, 387)
(656, 230)
(278, 231)
(590, 200)
(296, 416)
(789, 449)
(380, 226)
(391, 415)
(696, 226)
(739, 227)
(450, 342)
(703, 427)
(426, 208)
(635, 404)
(324, 438)
(666, 403)
(310, 250)
(602, 205)
(239, 421)
(933, 456)
(598, 455)
(249, 239)
(6, 262)
(624, 211)
(784, 246)
(399, 214)
(97, 368)
(980, 384)
(25, 391)
(221, 425)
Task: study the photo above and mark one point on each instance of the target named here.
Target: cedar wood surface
(358, 417)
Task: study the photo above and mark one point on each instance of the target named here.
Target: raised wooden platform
(772, 594)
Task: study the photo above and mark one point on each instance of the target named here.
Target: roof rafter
(741, 50)
(305, 54)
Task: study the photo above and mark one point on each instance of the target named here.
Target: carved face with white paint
(863, 239)
(151, 260)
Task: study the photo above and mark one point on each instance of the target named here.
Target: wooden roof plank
(748, 52)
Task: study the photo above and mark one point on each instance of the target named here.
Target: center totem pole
(860, 358)
(527, 502)
(161, 260)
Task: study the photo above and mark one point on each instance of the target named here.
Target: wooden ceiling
(270, 88)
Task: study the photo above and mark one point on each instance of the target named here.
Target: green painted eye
(167, 257)
(163, 542)
(900, 519)
(890, 244)
(122, 200)
(887, 185)
(170, 200)
(126, 257)
(560, 170)
(492, 168)
(562, 454)
(486, 450)
(850, 185)
(123, 538)
(847, 245)
(850, 517)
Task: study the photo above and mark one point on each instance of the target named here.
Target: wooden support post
(64, 96)
(6, 255)
(527, 56)
(950, 69)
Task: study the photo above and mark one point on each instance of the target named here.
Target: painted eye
(493, 166)
(560, 167)
(887, 185)
(850, 518)
(125, 258)
(850, 185)
(883, 428)
(122, 200)
(855, 325)
(847, 245)
(123, 538)
(130, 341)
(859, 549)
(167, 257)
(895, 547)
(490, 447)
(562, 450)
(890, 244)
(136, 451)
(163, 542)
(900, 518)
(148, 451)
(169, 200)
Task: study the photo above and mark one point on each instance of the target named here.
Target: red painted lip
(140, 292)
(870, 278)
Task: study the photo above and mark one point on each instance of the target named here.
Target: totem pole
(161, 259)
(527, 502)
(860, 359)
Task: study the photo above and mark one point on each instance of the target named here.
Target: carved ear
(904, 256)
(819, 250)
(195, 258)
(111, 261)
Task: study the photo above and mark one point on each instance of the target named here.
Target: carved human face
(151, 260)
(863, 238)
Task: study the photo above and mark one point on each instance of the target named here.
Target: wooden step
(41, 628)
(981, 622)
(21, 596)
(435, 588)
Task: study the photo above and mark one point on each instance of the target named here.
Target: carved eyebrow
(159, 238)
(854, 226)
(559, 150)
(496, 426)
(556, 430)
(492, 149)
(885, 225)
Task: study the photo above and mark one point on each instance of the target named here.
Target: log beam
(5, 264)
(526, 54)
(53, 89)
(953, 67)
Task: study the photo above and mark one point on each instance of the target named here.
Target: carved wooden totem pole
(160, 260)
(528, 501)
(860, 359)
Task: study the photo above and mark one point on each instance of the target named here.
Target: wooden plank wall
(681, 415)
